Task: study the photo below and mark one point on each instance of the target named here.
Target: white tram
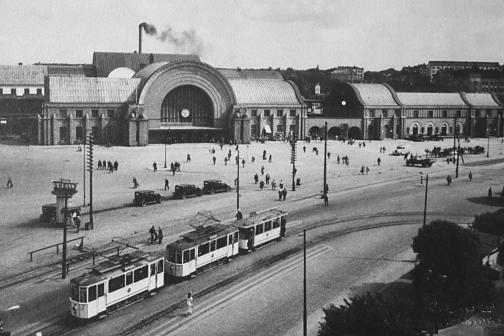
(259, 229)
(202, 247)
(113, 281)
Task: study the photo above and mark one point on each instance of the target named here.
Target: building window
(430, 114)
(423, 130)
(292, 113)
(13, 91)
(253, 113)
(415, 114)
(266, 113)
(62, 133)
(371, 113)
(78, 113)
(62, 113)
(279, 113)
(253, 129)
(280, 128)
(94, 113)
(444, 114)
(407, 130)
(451, 129)
(110, 113)
(477, 113)
(78, 133)
(437, 129)
(94, 131)
(458, 113)
(397, 113)
(26, 91)
(39, 92)
(385, 113)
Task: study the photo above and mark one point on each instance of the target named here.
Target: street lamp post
(238, 179)
(165, 153)
(325, 159)
(84, 172)
(488, 143)
(304, 285)
(425, 200)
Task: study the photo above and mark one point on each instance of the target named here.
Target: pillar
(55, 131)
(71, 129)
(40, 128)
(394, 126)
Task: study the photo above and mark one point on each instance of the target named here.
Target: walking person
(154, 166)
(243, 163)
(379, 161)
(367, 170)
(77, 221)
(262, 170)
(267, 178)
(449, 179)
(10, 185)
(153, 234)
(470, 176)
(99, 165)
(490, 195)
(326, 200)
(270, 158)
(214, 159)
(261, 185)
(284, 193)
(281, 185)
(273, 185)
(189, 303)
(116, 165)
(135, 183)
(256, 178)
(160, 235)
(188, 159)
(166, 184)
(362, 170)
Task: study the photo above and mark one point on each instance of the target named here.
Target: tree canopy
(491, 223)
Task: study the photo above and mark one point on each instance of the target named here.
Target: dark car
(419, 161)
(187, 190)
(215, 186)
(144, 197)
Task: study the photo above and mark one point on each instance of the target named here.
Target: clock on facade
(185, 113)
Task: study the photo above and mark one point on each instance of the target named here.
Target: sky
(373, 34)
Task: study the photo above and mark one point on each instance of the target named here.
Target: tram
(259, 229)
(114, 281)
(204, 246)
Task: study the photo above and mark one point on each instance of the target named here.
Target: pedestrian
(154, 166)
(173, 169)
(280, 185)
(153, 234)
(338, 159)
(367, 170)
(280, 194)
(243, 163)
(189, 303)
(116, 165)
(256, 178)
(214, 159)
(225, 160)
(262, 170)
(261, 185)
(264, 154)
(166, 184)
(135, 183)
(99, 164)
(267, 178)
(304, 149)
(160, 235)
(449, 179)
(270, 158)
(379, 161)
(326, 200)
(10, 185)
(239, 215)
(490, 193)
(470, 176)
(188, 159)
(253, 159)
(77, 221)
(284, 193)
(326, 188)
(273, 185)
(328, 155)
(362, 170)
(111, 168)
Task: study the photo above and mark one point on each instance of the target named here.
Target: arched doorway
(415, 129)
(388, 131)
(187, 105)
(334, 133)
(354, 133)
(314, 132)
(444, 129)
(430, 129)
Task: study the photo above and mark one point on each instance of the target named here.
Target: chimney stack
(140, 27)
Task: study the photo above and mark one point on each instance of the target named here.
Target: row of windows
(279, 128)
(79, 133)
(385, 113)
(267, 113)
(180, 257)
(430, 130)
(80, 113)
(267, 226)
(26, 91)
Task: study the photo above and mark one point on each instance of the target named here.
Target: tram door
(283, 228)
(156, 279)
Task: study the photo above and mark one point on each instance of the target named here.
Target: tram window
(171, 255)
(203, 249)
(212, 245)
(101, 290)
(267, 226)
(230, 239)
(276, 223)
(129, 278)
(221, 242)
(74, 293)
(116, 283)
(92, 293)
(259, 229)
(160, 266)
(193, 254)
(178, 257)
(153, 269)
(186, 256)
(82, 294)
(140, 273)
(235, 237)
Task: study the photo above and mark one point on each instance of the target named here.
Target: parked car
(400, 150)
(215, 186)
(186, 190)
(144, 197)
(49, 212)
(419, 161)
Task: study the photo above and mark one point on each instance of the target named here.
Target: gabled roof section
(22, 74)
(480, 100)
(91, 90)
(431, 99)
(374, 94)
(251, 74)
(105, 62)
(264, 92)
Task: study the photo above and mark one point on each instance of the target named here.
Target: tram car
(114, 281)
(205, 246)
(259, 229)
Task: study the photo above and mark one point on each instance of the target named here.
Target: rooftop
(431, 99)
(374, 94)
(22, 74)
(263, 91)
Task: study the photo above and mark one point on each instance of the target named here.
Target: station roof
(374, 94)
(22, 74)
(480, 99)
(431, 99)
(105, 62)
(91, 90)
(264, 92)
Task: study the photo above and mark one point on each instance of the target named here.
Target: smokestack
(140, 27)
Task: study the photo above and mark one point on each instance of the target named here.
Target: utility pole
(458, 158)
(165, 153)
(488, 142)
(304, 285)
(64, 252)
(84, 172)
(325, 158)
(293, 161)
(90, 169)
(238, 179)
(425, 201)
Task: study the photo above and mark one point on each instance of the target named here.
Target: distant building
(350, 74)
(435, 66)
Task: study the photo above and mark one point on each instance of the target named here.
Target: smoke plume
(186, 41)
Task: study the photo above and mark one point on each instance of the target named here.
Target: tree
(449, 271)
(491, 223)
(369, 315)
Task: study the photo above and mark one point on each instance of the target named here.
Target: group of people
(364, 170)
(155, 235)
(383, 149)
(108, 165)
